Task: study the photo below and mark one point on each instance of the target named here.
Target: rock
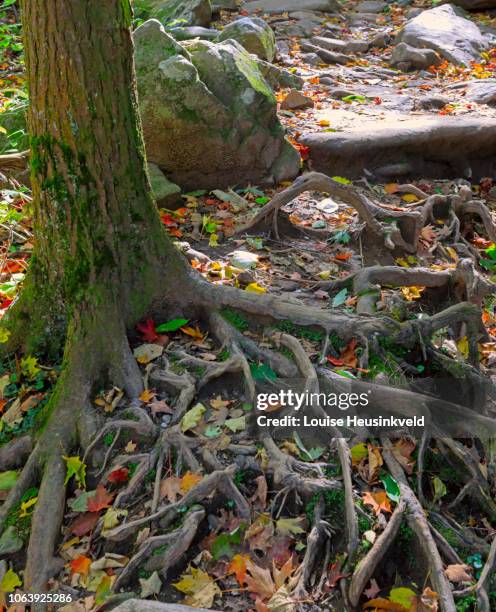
(455, 38)
(209, 117)
(194, 32)
(435, 102)
(10, 542)
(278, 77)
(329, 57)
(244, 260)
(246, 278)
(283, 6)
(339, 93)
(296, 100)
(192, 12)
(224, 5)
(380, 41)
(424, 148)
(483, 92)
(164, 191)
(409, 58)
(474, 5)
(371, 6)
(301, 28)
(311, 58)
(345, 46)
(254, 34)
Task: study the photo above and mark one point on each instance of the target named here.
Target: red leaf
(167, 219)
(147, 330)
(100, 500)
(334, 361)
(80, 565)
(84, 523)
(119, 476)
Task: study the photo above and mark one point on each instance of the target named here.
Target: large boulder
(254, 34)
(183, 12)
(209, 116)
(455, 38)
(412, 58)
(283, 6)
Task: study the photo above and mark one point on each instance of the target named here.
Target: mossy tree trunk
(102, 259)
(99, 240)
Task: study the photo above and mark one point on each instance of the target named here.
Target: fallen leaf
(458, 573)
(192, 417)
(147, 395)
(150, 586)
(171, 488)
(84, 523)
(80, 565)
(290, 526)
(238, 567)
(199, 587)
(119, 475)
(379, 501)
(189, 480)
(76, 468)
(100, 500)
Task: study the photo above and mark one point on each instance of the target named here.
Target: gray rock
(411, 58)
(344, 46)
(483, 92)
(311, 58)
(358, 18)
(457, 39)
(164, 191)
(435, 102)
(300, 28)
(474, 5)
(371, 6)
(190, 12)
(10, 542)
(338, 93)
(380, 41)
(424, 148)
(224, 5)
(194, 32)
(209, 117)
(278, 77)
(296, 100)
(328, 57)
(283, 6)
(254, 34)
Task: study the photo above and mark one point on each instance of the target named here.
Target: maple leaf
(147, 330)
(76, 468)
(199, 587)
(100, 500)
(171, 488)
(84, 523)
(238, 567)
(379, 501)
(119, 476)
(147, 395)
(458, 573)
(80, 565)
(334, 576)
(373, 589)
(189, 480)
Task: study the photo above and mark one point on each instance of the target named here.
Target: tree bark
(99, 239)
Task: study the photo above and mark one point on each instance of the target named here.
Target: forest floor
(199, 511)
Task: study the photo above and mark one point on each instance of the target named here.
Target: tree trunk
(99, 239)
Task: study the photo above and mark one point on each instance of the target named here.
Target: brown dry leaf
(384, 604)
(375, 462)
(171, 488)
(379, 501)
(259, 581)
(260, 533)
(218, 403)
(429, 601)
(458, 573)
(160, 407)
(402, 451)
(261, 492)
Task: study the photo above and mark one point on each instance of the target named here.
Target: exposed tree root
(393, 228)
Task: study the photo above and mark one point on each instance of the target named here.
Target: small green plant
(236, 319)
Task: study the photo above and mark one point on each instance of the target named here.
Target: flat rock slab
(455, 38)
(141, 605)
(283, 6)
(482, 92)
(473, 5)
(446, 147)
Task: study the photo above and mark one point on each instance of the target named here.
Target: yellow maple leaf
(412, 293)
(189, 480)
(147, 396)
(255, 288)
(409, 197)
